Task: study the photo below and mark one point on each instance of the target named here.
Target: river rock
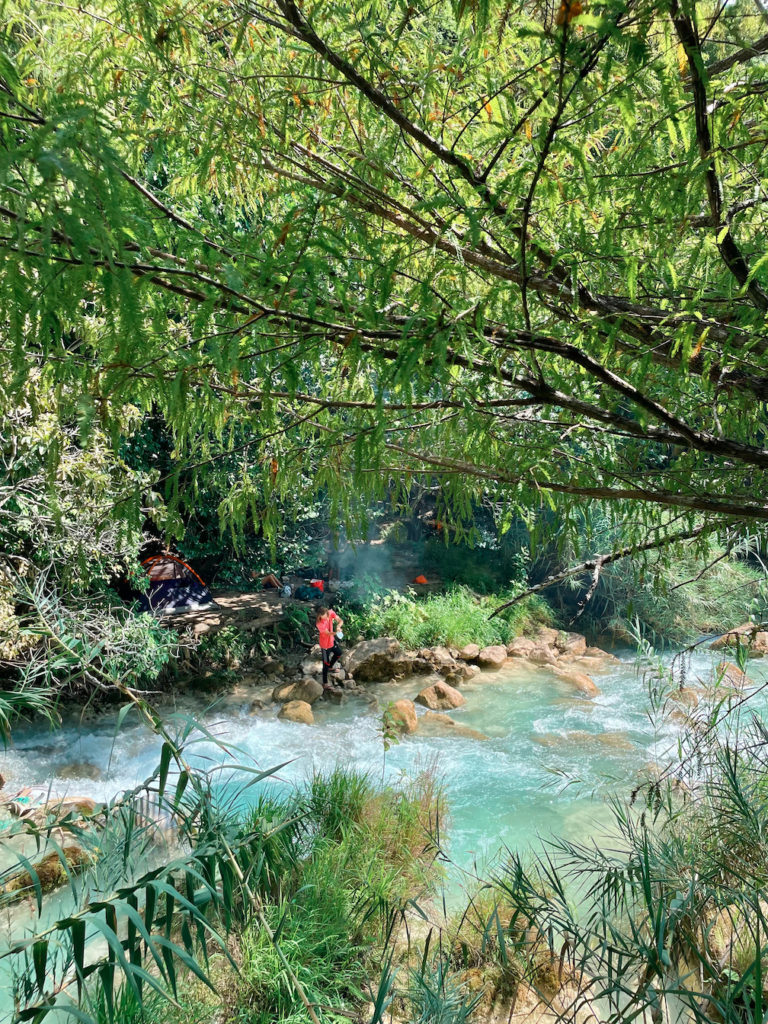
(50, 871)
(598, 652)
(461, 673)
(83, 806)
(613, 739)
(440, 696)
(731, 675)
(403, 715)
(590, 664)
(521, 647)
(308, 690)
(256, 706)
(441, 657)
(686, 695)
(281, 692)
(747, 635)
(79, 770)
(492, 657)
(583, 683)
(543, 654)
(312, 666)
(375, 660)
(271, 666)
(573, 644)
(444, 725)
(469, 652)
(297, 711)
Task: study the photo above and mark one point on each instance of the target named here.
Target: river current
(550, 758)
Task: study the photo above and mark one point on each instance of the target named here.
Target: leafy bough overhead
(519, 250)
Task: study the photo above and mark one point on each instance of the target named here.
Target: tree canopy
(519, 248)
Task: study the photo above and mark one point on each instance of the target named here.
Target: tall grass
(363, 854)
(456, 617)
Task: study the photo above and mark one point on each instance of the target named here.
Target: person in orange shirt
(329, 627)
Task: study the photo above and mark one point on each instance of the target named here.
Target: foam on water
(506, 790)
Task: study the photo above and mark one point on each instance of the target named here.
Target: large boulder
(580, 680)
(521, 647)
(433, 723)
(747, 635)
(441, 657)
(573, 644)
(547, 635)
(440, 696)
(375, 660)
(687, 696)
(469, 652)
(403, 716)
(543, 654)
(307, 690)
(492, 657)
(297, 711)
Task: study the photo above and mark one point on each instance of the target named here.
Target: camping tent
(174, 586)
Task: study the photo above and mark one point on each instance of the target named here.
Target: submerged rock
(297, 711)
(731, 675)
(583, 683)
(598, 652)
(441, 696)
(443, 725)
(51, 872)
(79, 770)
(403, 716)
(615, 740)
(492, 657)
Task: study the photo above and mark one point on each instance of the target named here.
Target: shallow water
(549, 762)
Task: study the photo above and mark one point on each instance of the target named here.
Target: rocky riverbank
(438, 673)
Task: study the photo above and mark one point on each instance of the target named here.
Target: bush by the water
(456, 617)
(362, 854)
(679, 599)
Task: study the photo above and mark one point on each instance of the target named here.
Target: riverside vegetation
(277, 274)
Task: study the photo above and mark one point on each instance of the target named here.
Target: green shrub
(369, 854)
(711, 600)
(225, 647)
(456, 617)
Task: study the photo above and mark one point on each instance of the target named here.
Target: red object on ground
(421, 579)
(318, 585)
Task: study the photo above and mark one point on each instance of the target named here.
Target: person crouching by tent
(329, 627)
